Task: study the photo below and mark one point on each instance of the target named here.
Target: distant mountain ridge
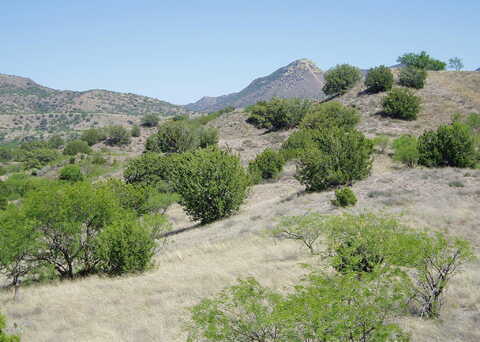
(22, 95)
(301, 78)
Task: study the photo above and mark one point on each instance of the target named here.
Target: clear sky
(179, 51)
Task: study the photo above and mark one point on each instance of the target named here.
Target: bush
(330, 114)
(211, 182)
(55, 141)
(401, 104)
(118, 136)
(36, 159)
(412, 77)
(71, 173)
(93, 136)
(150, 120)
(98, 159)
(340, 157)
(340, 79)
(4, 337)
(297, 143)
(125, 246)
(135, 132)
(278, 113)
(451, 145)
(381, 143)
(344, 197)
(150, 169)
(421, 61)
(75, 147)
(379, 79)
(406, 150)
(266, 165)
(207, 136)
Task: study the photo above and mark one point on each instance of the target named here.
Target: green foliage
(207, 136)
(204, 119)
(93, 136)
(297, 143)
(150, 169)
(421, 61)
(278, 113)
(381, 142)
(211, 182)
(406, 150)
(75, 147)
(450, 145)
(150, 120)
(379, 79)
(401, 104)
(267, 165)
(98, 159)
(339, 157)
(344, 197)
(330, 114)
(412, 77)
(135, 131)
(340, 79)
(4, 337)
(71, 173)
(19, 184)
(55, 142)
(38, 158)
(118, 136)
(455, 63)
(473, 121)
(125, 246)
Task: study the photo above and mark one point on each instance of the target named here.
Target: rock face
(301, 78)
(22, 95)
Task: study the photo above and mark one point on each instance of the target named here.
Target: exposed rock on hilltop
(22, 95)
(301, 78)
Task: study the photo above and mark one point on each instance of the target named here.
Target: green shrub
(473, 121)
(330, 114)
(381, 142)
(135, 132)
(71, 173)
(344, 197)
(204, 119)
(406, 150)
(297, 143)
(421, 61)
(211, 182)
(401, 104)
(267, 165)
(150, 120)
(98, 159)
(451, 145)
(55, 141)
(278, 113)
(150, 169)
(207, 136)
(75, 147)
(38, 158)
(412, 77)
(379, 79)
(4, 337)
(174, 137)
(118, 136)
(340, 157)
(125, 246)
(93, 136)
(340, 79)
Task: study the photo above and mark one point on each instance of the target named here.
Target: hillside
(202, 260)
(301, 78)
(22, 95)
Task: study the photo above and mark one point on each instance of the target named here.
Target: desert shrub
(406, 150)
(75, 147)
(330, 114)
(455, 63)
(135, 131)
(4, 337)
(340, 79)
(150, 120)
(93, 136)
(204, 119)
(267, 165)
(55, 141)
(98, 159)
(412, 77)
(340, 157)
(207, 136)
(473, 121)
(125, 246)
(450, 145)
(278, 113)
(118, 136)
(38, 158)
(344, 197)
(379, 79)
(19, 184)
(297, 143)
(150, 169)
(401, 104)
(71, 173)
(421, 61)
(212, 183)
(381, 142)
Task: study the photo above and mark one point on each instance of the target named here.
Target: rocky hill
(301, 78)
(22, 95)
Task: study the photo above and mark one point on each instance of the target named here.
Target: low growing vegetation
(402, 104)
(340, 79)
(267, 165)
(379, 79)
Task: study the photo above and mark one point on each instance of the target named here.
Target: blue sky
(179, 50)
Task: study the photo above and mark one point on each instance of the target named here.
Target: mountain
(478, 69)
(22, 95)
(301, 78)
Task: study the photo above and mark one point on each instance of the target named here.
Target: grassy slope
(201, 261)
